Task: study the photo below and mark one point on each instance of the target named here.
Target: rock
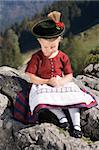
(89, 68)
(96, 67)
(92, 69)
(6, 140)
(8, 71)
(11, 83)
(90, 117)
(15, 135)
(95, 145)
(1, 123)
(90, 122)
(48, 136)
(9, 87)
(3, 103)
(89, 81)
(5, 70)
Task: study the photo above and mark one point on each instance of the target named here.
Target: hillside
(88, 39)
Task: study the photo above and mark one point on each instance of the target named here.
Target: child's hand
(55, 81)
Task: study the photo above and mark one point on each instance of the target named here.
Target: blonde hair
(53, 39)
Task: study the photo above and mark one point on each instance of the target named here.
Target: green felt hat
(48, 29)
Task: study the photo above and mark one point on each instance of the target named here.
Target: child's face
(49, 46)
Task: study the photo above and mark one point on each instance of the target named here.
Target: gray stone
(92, 69)
(90, 122)
(1, 123)
(6, 140)
(8, 125)
(16, 136)
(96, 67)
(10, 84)
(3, 103)
(89, 68)
(89, 81)
(48, 136)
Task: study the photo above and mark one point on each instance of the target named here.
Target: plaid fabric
(22, 112)
(21, 109)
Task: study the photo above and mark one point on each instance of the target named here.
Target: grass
(88, 140)
(27, 56)
(88, 39)
(62, 131)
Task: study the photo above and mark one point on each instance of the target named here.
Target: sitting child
(51, 76)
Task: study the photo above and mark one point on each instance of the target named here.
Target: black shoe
(64, 125)
(77, 133)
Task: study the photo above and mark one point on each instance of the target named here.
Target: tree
(11, 55)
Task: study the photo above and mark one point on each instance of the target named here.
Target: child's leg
(75, 116)
(60, 115)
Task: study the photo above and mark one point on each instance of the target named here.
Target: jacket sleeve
(32, 65)
(67, 69)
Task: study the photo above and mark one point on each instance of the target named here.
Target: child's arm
(54, 81)
(37, 80)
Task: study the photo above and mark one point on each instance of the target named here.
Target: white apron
(67, 95)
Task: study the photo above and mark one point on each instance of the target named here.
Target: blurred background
(80, 42)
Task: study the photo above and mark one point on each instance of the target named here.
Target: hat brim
(51, 31)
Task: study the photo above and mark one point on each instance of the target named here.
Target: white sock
(60, 115)
(62, 120)
(77, 127)
(75, 116)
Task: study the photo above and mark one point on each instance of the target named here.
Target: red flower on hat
(60, 24)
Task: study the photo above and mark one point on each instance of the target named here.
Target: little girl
(51, 76)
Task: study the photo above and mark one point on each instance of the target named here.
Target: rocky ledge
(16, 136)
